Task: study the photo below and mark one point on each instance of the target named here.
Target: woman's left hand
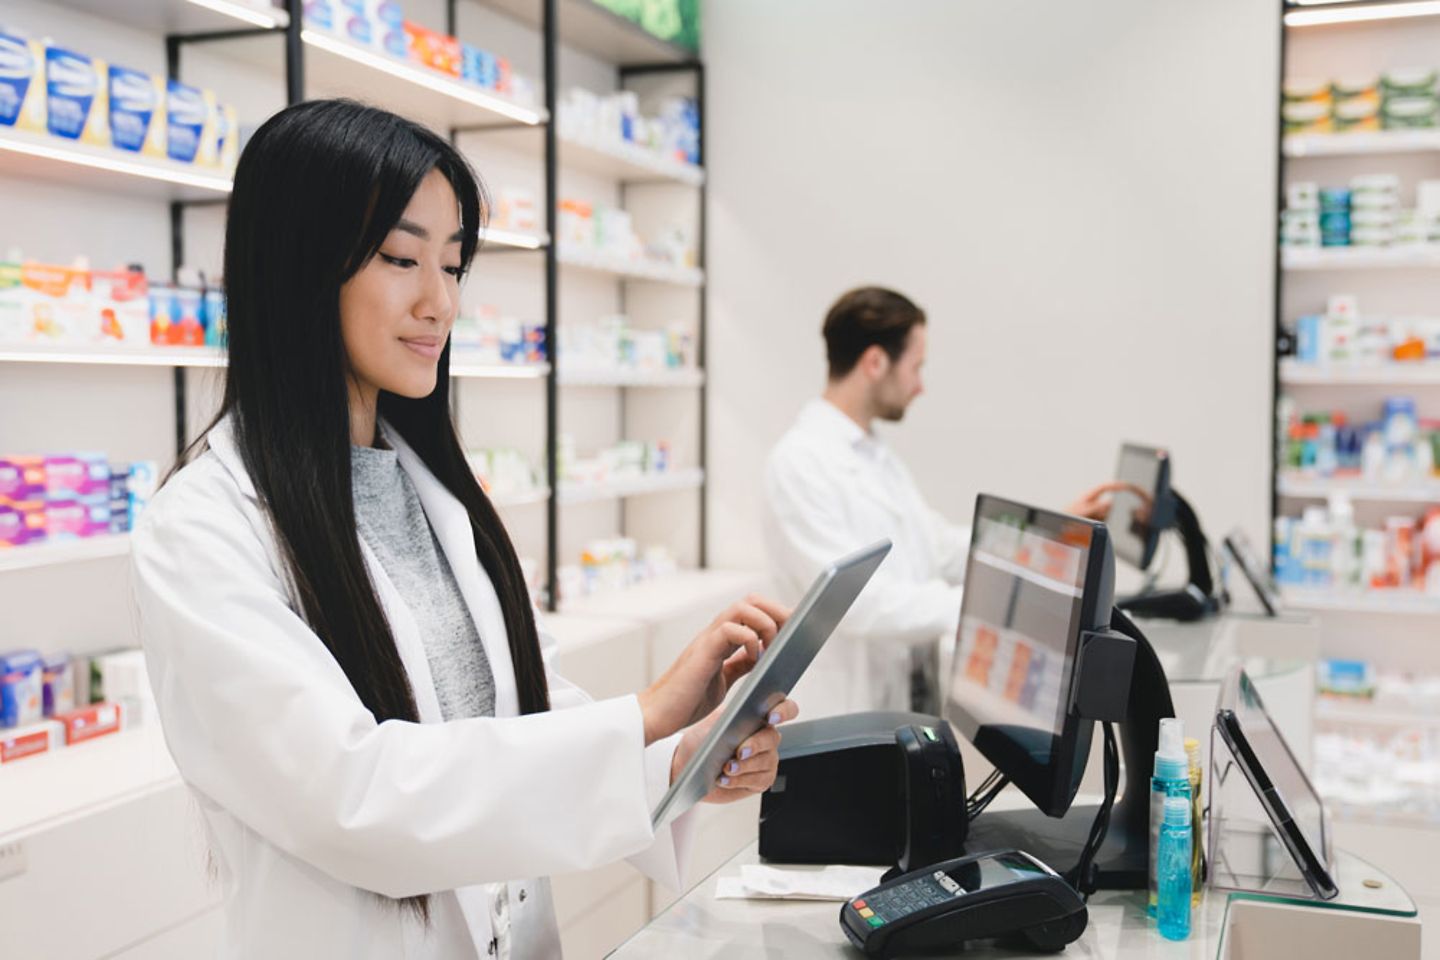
(752, 769)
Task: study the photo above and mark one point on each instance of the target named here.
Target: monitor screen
(1033, 584)
(1138, 513)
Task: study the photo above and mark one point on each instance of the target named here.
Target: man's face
(902, 382)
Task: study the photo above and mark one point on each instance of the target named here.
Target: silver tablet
(780, 667)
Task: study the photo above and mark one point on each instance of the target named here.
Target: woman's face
(396, 313)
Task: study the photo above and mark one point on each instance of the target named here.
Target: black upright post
(177, 259)
(294, 54)
(1278, 333)
(549, 30)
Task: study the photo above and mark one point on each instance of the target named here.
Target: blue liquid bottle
(1173, 868)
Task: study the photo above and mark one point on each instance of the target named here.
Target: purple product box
(85, 476)
(76, 520)
(22, 479)
(22, 523)
(21, 681)
(58, 695)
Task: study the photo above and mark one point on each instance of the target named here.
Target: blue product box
(185, 111)
(22, 679)
(1307, 338)
(76, 92)
(137, 111)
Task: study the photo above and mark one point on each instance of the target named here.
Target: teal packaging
(185, 113)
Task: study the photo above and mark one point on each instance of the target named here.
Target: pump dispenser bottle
(1171, 779)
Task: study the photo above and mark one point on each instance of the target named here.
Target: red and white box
(31, 740)
(96, 720)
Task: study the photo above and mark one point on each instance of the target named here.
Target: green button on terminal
(930, 734)
(875, 922)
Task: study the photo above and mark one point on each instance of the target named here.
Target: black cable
(985, 784)
(1082, 876)
(976, 807)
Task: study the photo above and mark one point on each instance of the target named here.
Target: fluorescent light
(244, 12)
(1374, 11)
(170, 173)
(421, 77)
(510, 238)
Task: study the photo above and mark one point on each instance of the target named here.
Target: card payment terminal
(1006, 894)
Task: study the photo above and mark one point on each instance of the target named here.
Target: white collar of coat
(451, 524)
(823, 417)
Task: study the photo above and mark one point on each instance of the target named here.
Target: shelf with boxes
(620, 487)
(588, 27)
(1296, 146)
(67, 508)
(1353, 373)
(186, 16)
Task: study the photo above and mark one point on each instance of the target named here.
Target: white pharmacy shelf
(678, 377)
(1317, 488)
(99, 353)
(40, 156)
(50, 789)
(335, 66)
(671, 480)
(669, 596)
(515, 239)
(636, 270)
(520, 498)
(1414, 373)
(587, 26)
(1402, 601)
(35, 555)
(1361, 144)
(1363, 713)
(186, 16)
(624, 160)
(460, 366)
(1360, 258)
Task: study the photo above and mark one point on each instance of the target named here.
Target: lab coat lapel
(451, 524)
(841, 438)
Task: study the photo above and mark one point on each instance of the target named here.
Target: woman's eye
(456, 272)
(397, 261)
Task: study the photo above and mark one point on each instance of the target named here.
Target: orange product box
(57, 304)
(96, 720)
(30, 740)
(435, 50)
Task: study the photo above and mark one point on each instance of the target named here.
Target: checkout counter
(1372, 917)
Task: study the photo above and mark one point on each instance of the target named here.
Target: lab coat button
(493, 947)
(522, 894)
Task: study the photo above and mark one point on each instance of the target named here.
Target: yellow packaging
(22, 83)
(77, 97)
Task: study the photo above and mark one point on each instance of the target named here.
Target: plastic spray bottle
(1171, 779)
(1173, 863)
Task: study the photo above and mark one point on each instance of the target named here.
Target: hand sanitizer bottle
(1173, 862)
(1171, 779)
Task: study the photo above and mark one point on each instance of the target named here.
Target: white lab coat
(314, 812)
(831, 488)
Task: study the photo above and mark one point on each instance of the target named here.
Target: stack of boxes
(48, 89)
(56, 498)
(1399, 99)
(1367, 213)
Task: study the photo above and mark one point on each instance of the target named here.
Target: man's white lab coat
(831, 488)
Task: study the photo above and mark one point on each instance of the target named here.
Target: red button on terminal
(859, 904)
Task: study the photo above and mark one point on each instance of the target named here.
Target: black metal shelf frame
(550, 39)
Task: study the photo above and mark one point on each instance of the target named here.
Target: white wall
(1081, 196)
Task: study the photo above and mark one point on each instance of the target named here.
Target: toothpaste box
(137, 111)
(22, 522)
(21, 479)
(87, 723)
(76, 520)
(21, 686)
(191, 121)
(84, 476)
(22, 83)
(55, 302)
(77, 98)
(433, 49)
(122, 300)
(31, 740)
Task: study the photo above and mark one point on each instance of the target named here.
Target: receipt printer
(880, 788)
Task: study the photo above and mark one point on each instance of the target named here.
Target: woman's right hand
(700, 677)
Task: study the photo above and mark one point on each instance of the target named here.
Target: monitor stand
(1123, 862)
(1197, 599)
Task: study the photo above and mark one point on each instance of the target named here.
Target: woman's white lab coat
(316, 814)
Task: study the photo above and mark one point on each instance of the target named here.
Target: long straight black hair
(318, 188)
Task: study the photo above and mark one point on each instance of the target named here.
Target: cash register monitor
(1143, 510)
(1035, 581)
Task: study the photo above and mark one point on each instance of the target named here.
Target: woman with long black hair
(344, 655)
